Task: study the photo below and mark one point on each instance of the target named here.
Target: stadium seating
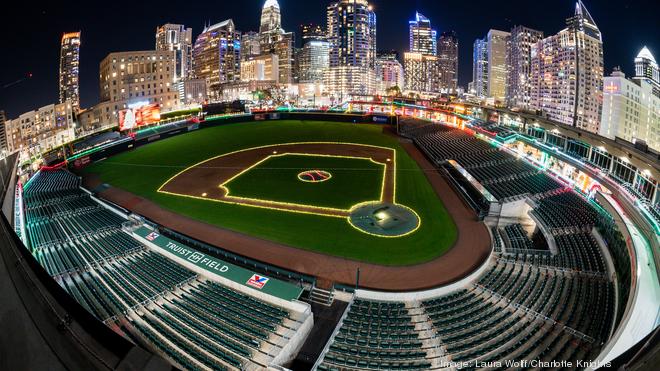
(529, 304)
(157, 302)
(509, 313)
(378, 335)
(517, 237)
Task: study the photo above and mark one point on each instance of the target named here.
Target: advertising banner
(133, 118)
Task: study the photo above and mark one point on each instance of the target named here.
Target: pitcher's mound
(384, 219)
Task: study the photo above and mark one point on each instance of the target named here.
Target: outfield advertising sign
(275, 287)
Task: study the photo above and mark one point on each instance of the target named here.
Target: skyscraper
(70, 69)
(178, 39)
(497, 70)
(352, 37)
(3, 132)
(216, 54)
(422, 72)
(480, 68)
(271, 18)
(646, 68)
(567, 73)
(274, 40)
(423, 38)
(519, 63)
(312, 31)
(422, 65)
(250, 45)
(448, 60)
(313, 61)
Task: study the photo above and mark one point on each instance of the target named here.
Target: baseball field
(290, 182)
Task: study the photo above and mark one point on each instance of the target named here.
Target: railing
(331, 340)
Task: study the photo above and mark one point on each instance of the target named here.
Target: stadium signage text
(196, 257)
(234, 273)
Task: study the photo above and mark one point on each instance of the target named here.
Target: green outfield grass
(143, 170)
(352, 181)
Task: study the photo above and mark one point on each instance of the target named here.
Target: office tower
(313, 61)
(519, 63)
(3, 133)
(646, 68)
(422, 66)
(389, 72)
(630, 110)
(274, 40)
(312, 31)
(423, 38)
(567, 73)
(216, 54)
(271, 18)
(250, 45)
(480, 68)
(178, 39)
(70, 69)
(448, 61)
(422, 72)
(139, 78)
(497, 69)
(352, 37)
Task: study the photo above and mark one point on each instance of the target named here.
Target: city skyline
(623, 37)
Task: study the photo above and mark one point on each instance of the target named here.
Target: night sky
(33, 31)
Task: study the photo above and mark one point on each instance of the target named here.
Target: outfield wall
(113, 150)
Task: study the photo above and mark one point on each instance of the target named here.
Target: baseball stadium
(372, 236)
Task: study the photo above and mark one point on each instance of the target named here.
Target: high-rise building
(70, 69)
(139, 78)
(312, 31)
(567, 73)
(283, 47)
(630, 110)
(448, 60)
(497, 70)
(250, 45)
(422, 72)
(389, 71)
(422, 65)
(271, 18)
(352, 37)
(646, 68)
(177, 39)
(313, 61)
(519, 63)
(274, 40)
(479, 85)
(216, 55)
(423, 38)
(3, 133)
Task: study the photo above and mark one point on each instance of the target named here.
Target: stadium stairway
(191, 320)
(321, 296)
(514, 311)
